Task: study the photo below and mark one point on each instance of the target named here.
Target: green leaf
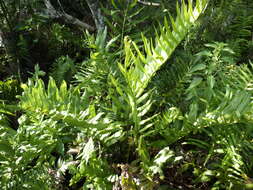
(198, 67)
(6, 148)
(163, 156)
(211, 81)
(195, 82)
(88, 150)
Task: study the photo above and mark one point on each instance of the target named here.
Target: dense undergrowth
(152, 101)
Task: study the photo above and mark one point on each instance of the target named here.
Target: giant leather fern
(145, 65)
(138, 69)
(127, 116)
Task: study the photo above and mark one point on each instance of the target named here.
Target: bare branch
(96, 14)
(52, 12)
(149, 3)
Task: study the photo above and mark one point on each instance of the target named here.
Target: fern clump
(139, 112)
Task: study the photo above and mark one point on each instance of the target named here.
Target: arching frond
(144, 66)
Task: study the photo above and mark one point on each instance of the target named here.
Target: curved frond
(144, 66)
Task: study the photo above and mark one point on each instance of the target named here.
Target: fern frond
(39, 99)
(145, 66)
(63, 69)
(170, 84)
(139, 68)
(213, 98)
(231, 143)
(92, 76)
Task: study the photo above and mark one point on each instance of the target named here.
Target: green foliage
(93, 167)
(63, 69)
(155, 112)
(222, 113)
(69, 105)
(62, 39)
(227, 21)
(127, 18)
(92, 75)
(138, 70)
(9, 89)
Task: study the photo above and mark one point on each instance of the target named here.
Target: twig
(149, 3)
(52, 12)
(96, 14)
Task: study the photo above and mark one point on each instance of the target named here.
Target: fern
(208, 102)
(144, 67)
(227, 159)
(231, 22)
(25, 148)
(109, 128)
(118, 119)
(170, 83)
(63, 69)
(93, 73)
(224, 114)
(139, 68)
